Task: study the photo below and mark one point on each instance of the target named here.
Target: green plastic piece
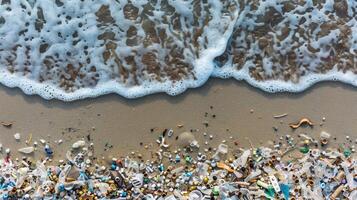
(188, 159)
(215, 191)
(347, 152)
(146, 180)
(270, 193)
(304, 150)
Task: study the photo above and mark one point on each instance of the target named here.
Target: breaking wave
(70, 49)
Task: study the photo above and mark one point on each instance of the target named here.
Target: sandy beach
(227, 114)
(221, 108)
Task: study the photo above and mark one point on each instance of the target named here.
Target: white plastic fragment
(103, 187)
(242, 160)
(26, 150)
(195, 195)
(170, 132)
(78, 144)
(137, 180)
(275, 183)
(194, 144)
(221, 151)
(353, 195)
(252, 175)
(17, 136)
(324, 137)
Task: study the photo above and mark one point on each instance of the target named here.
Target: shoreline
(243, 124)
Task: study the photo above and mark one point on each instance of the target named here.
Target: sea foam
(70, 49)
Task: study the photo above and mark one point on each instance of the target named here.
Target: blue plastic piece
(161, 167)
(5, 196)
(124, 194)
(322, 185)
(177, 158)
(82, 176)
(90, 186)
(285, 190)
(327, 190)
(61, 187)
(48, 151)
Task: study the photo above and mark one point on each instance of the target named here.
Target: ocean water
(74, 49)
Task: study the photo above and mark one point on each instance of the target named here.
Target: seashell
(303, 121)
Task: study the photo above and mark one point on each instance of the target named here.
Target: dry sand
(125, 123)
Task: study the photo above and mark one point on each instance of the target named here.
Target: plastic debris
(48, 150)
(274, 183)
(324, 137)
(195, 195)
(269, 192)
(78, 144)
(347, 152)
(17, 136)
(26, 150)
(285, 191)
(221, 165)
(304, 149)
(170, 132)
(255, 173)
(222, 150)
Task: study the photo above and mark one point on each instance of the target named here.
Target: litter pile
(296, 170)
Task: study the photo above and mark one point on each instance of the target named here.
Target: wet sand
(225, 105)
